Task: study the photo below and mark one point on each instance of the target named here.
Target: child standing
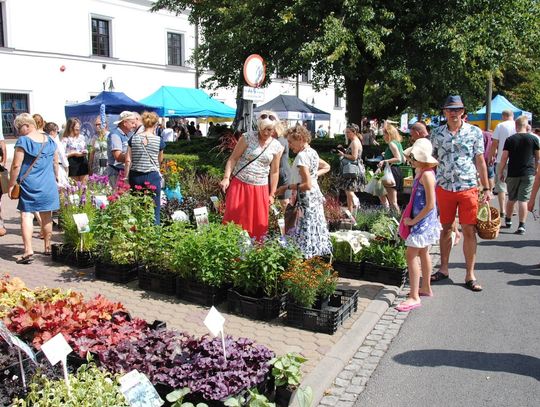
(423, 221)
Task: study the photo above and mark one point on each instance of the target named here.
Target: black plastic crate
(259, 308)
(383, 274)
(150, 280)
(348, 269)
(199, 293)
(116, 273)
(326, 320)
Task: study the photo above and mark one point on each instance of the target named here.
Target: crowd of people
(457, 168)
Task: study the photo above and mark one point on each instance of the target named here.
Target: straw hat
(421, 151)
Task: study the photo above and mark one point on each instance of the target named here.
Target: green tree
(391, 54)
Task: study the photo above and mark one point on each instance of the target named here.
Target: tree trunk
(239, 118)
(354, 87)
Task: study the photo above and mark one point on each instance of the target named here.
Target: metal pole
(489, 93)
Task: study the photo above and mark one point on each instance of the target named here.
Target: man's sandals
(473, 285)
(438, 276)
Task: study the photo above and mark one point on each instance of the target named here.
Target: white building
(59, 52)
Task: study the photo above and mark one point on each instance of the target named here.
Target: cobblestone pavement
(352, 380)
(176, 313)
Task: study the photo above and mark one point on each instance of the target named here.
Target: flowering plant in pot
(308, 279)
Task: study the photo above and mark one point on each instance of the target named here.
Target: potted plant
(88, 383)
(347, 251)
(287, 374)
(384, 262)
(310, 282)
(204, 260)
(257, 290)
(156, 248)
(117, 230)
(170, 171)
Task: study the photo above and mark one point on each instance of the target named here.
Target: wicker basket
(489, 229)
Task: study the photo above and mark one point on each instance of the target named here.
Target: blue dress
(39, 192)
(427, 231)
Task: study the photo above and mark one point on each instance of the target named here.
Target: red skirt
(247, 205)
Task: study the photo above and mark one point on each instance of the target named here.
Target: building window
(101, 37)
(337, 100)
(12, 105)
(2, 40)
(174, 46)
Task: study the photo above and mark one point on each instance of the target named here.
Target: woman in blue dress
(35, 168)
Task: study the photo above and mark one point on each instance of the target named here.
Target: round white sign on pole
(254, 70)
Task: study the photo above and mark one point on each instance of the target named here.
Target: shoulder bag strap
(148, 154)
(237, 172)
(35, 160)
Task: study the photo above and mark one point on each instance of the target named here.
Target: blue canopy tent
(187, 102)
(115, 103)
(498, 104)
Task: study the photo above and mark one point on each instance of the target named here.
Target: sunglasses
(267, 116)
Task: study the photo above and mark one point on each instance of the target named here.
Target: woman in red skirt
(255, 157)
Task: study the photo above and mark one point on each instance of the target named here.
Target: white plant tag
(24, 347)
(281, 224)
(215, 201)
(201, 216)
(6, 334)
(56, 349)
(82, 222)
(180, 216)
(138, 390)
(100, 201)
(214, 321)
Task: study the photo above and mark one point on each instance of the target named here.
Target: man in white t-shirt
(503, 130)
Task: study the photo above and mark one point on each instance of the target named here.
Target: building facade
(59, 52)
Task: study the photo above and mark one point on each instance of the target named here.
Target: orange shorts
(463, 202)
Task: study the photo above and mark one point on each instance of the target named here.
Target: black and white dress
(353, 184)
(311, 235)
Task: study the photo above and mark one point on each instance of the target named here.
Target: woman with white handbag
(349, 181)
(392, 160)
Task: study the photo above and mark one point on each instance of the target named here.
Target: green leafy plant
(286, 369)
(209, 255)
(307, 279)
(176, 398)
(90, 386)
(117, 228)
(74, 199)
(385, 226)
(261, 266)
(385, 253)
(157, 244)
(367, 216)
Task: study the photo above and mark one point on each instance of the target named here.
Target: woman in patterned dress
(353, 152)
(76, 150)
(311, 235)
(245, 179)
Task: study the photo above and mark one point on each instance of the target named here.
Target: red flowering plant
(307, 279)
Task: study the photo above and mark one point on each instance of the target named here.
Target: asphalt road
(471, 349)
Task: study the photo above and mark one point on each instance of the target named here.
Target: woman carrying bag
(394, 158)
(352, 157)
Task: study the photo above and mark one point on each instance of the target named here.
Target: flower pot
(173, 193)
(260, 308)
(342, 304)
(284, 395)
(321, 302)
(69, 255)
(383, 274)
(199, 293)
(163, 282)
(116, 273)
(348, 269)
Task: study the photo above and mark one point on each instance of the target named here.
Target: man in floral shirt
(459, 147)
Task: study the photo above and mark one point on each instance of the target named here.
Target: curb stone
(331, 366)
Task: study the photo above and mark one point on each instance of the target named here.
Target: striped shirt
(145, 158)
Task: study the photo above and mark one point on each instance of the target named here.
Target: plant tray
(70, 256)
(263, 308)
(199, 293)
(326, 320)
(116, 273)
(348, 269)
(164, 283)
(383, 274)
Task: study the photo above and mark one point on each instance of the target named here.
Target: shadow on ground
(515, 363)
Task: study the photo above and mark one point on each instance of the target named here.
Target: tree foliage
(387, 54)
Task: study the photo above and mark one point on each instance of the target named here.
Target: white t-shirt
(502, 132)
(167, 135)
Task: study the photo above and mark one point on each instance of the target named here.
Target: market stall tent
(115, 103)
(498, 104)
(289, 107)
(187, 102)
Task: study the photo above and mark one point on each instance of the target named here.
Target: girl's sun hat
(421, 151)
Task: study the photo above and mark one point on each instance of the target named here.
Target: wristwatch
(485, 189)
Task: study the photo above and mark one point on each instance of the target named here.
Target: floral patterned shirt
(75, 144)
(457, 156)
(256, 173)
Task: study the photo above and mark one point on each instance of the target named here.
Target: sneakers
(520, 230)
(508, 222)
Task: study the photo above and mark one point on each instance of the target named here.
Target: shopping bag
(293, 213)
(370, 187)
(388, 178)
(4, 180)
